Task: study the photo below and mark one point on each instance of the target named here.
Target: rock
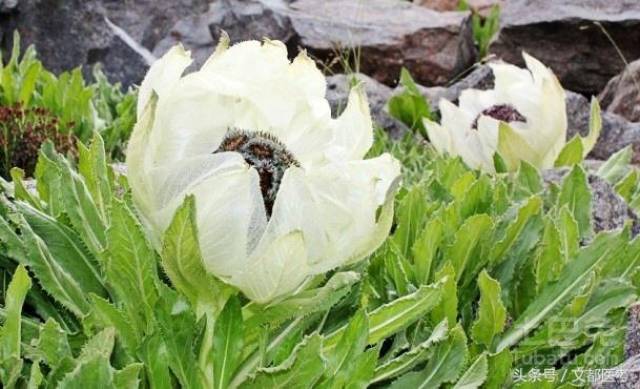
(384, 35)
(616, 134)
(563, 35)
(627, 375)
(7, 5)
(439, 5)
(241, 19)
(452, 5)
(149, 21)
(622, 93)
(78, 35)
(609, 211)
(378, 94)
(479, 77)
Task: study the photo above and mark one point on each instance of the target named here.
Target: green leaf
(52, 274)
(410, 107)
(513, 148)
(65, 248)
(572, 153)
(129, 377)
(104, 314)
(499, 369)
(549, 259)
(92, 166)
(10, 361)
(475, 375)
(576, 194)
(616, 166)
(569, 235)
(529, 180)
(227, 342)
(395, 316)
(19, 189)
(531, 208)
(95, 372)
(182, 260)
(445, 365)
(155, 356)
(472, 232)
(447, 309)
(595, 126)
(552, 298)
(131, 265)
(301, 370)
(53, 345)
(410, 214)
(406, 361)
(424, 250)
(35, 376)
(491, 312)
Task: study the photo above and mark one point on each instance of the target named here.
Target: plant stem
(204, 359)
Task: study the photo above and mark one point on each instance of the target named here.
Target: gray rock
(478, 77)
(384, 35)
(378, 94)
(616, 134)
(622, 93)
(563, 35)
(241, 19)
(609, 211)
(78, 35)
(7, 5)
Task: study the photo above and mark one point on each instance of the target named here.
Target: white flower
(522, 118)
(282, 191)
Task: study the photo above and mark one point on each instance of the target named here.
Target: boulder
(616, 134)
(338, 87)
(240, 19)
(78, 35)
(384, 36)
(452, 5)
(622, 93)
(609, 211)
(479, 77)
(572, 37)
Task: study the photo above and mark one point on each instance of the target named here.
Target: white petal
(163, 75)
(276, 271)
(473, 101)
(353, 130)
(439, 137)
(455, 119)
(334, 207)
(507, 75)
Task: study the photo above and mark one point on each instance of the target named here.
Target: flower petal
(353, 130)
(163, 75)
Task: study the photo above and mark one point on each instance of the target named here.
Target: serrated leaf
(595, 126)
(475, 375)
(94, 372)
(20, 191)
(460, 253)
(411, 358)
(410, 215)
(529, 179)
(395, 316)
(499, 369)
(154, 354)
(129, 377)
(444, 366)
(53, 345)
(65, 248)
(447, 309)
(576, 194)
(302, 370)
(531, 208)
(572, 153)
(549, 263)
(569, 234)
(131, 265)
(10, 361)
(92, 166)
(551, 299)
(491, 312)
(104, 314)
(182, 260)
(616, 166)
(425, 249)
(53, 277)
(227, 342)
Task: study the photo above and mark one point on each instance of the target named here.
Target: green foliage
(480, 276)
(59, 107)
(484, 27)
(410, 106)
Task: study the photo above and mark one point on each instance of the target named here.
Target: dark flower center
(266, 154)
(504, 112)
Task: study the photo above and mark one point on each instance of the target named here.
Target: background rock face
(388, 35)
(562, 34)
(622, 93)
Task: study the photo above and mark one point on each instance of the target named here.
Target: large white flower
(282, 191)
(522, 118)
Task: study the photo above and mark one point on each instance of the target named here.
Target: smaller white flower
(523, 119)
